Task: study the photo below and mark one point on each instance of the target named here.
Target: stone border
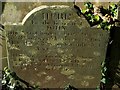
(40, 8)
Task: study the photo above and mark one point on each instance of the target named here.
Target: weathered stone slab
(54, 47)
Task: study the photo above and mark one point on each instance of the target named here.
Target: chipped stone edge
(35, 10)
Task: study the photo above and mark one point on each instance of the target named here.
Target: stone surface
(55, 47)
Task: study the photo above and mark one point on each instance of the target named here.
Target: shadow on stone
(2, 6)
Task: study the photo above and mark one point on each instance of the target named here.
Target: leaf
(103, 80)
(83, 11)
(4, 82)
(99, 26)
(109, 27)
(92, 20)
(88, 5)
(113, 6)
(96, 17)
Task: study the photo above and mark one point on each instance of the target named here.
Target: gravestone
(55, 47)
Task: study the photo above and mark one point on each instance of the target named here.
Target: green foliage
(104, 18)
(113, 10)
(88, 5)
(10, 81)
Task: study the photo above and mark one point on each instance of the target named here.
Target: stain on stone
(48, 78)
(85, 83)
(67, 71)
(88, 77)
(71, 77)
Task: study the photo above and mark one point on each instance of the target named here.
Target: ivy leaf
(96, 18)
(92, 20)
(4, 82)
(113, 6)
(88, 5)
(88, 16)
(103, 80)
(84, 11)
(109, 27)
(113, 9)
(99, 26)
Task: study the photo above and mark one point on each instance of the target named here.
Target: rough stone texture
(55, 50)
(11, 14)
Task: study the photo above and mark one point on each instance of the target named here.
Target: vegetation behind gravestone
(106, 19)
(100, 16)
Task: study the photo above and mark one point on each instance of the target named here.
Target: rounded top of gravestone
(59, 13)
